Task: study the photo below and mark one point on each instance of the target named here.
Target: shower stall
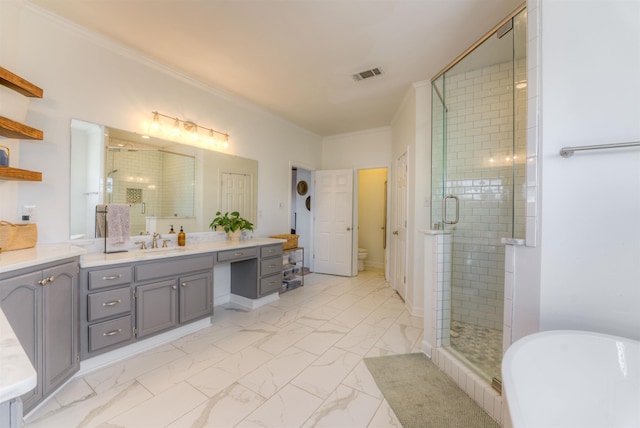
(478, 187)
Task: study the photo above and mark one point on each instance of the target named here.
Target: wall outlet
(29, 213)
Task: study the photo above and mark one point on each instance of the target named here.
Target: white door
(333, 216)
(236, 194)
(400, 228)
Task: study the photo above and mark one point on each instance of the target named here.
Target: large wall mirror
(165, 183)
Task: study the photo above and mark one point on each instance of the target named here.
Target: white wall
(89, 78)
(588, 257)
(365, 149)
(411, 129)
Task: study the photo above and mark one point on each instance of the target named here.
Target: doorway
(301, 219)
(372, 218)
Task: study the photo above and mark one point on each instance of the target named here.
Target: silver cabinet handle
(444, 209)
(112, 277)
(112, 303)
(272, 266)
(113, 332)
(47, 280)
(238, 254)
(173, 287)
(184, 284)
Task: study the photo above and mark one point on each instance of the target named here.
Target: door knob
(348, 228)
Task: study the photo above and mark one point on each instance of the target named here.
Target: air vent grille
(367, 74)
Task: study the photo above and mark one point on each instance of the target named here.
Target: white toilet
(362, 255)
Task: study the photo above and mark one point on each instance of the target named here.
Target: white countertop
(40, 254)
(102, 259)
(17, 375)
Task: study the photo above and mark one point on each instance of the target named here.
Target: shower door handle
(444, 209)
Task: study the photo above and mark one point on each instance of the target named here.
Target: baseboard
(254, 303)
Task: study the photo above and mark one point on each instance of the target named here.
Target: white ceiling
(296, 57)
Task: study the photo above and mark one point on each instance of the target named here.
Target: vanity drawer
(173, 267)
(271, 250)
(110, 277)
(270, 266)
(239, 254)
(109, 333)
(270, 284)
(109, 303)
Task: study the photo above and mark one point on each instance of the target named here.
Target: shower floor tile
(481, 346)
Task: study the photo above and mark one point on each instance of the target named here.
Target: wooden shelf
(18, 84)
(8, 173)
(12, 129)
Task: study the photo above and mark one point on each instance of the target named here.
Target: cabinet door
(156, 307)
(196, 296)
(60, 321)
(20, 302)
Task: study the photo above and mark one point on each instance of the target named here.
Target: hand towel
(118, 224)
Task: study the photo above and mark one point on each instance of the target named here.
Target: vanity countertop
(17, 375)
(102, 259)
(40, 254)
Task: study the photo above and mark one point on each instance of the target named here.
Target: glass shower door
(478, 190)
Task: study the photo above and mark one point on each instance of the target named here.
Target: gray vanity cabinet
(156, 307)
(196, 296)
(120, 304)
(258, 276)
(41, 307)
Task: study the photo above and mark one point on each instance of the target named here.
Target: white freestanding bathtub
(571, 379)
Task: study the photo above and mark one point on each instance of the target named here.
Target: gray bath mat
(421, 395)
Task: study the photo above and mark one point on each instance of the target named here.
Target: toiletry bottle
(172, 231)
(182, 238)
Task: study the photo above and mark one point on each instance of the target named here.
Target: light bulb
(156, 122)
(176, 127)
(211, 139)
(226, 142)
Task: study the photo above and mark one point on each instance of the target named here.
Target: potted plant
(231, 223)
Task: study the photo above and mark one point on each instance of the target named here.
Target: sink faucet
(154, 242)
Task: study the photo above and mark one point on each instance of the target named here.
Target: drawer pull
(112, 277)
(272, 282)
(238, 254)
(112, 303)
(184, 284)
(113, 332)
(272, 266)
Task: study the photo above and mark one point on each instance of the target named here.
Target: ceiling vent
(367, 74)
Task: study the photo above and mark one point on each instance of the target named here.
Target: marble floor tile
(399, 339)
(322, 377)
(345, 407)
(283, 338)
(384, 417)
(129, 369)
(361, 339)
(178, 370)
(320, 340)
(161, 409)
(360, 379)
(290, 407)
(275, 374)
(223, 410)
(95, 409)
(294, 362)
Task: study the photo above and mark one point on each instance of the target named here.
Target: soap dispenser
(172, 231)
(182, 238)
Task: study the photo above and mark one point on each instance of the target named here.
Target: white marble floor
(297, 362)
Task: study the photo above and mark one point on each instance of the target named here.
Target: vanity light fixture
(192, 129)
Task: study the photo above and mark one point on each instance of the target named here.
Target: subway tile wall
(485, 168)
(158, 178)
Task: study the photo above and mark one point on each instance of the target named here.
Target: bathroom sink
(162, 252)
(568, 378)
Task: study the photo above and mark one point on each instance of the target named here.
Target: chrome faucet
(154, 242)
